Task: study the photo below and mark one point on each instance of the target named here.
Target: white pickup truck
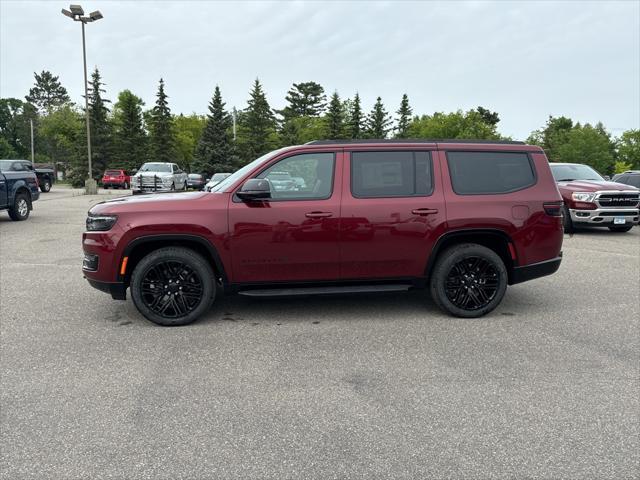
(159, 177)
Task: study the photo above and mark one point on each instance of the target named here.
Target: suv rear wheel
(468, 280)
(173, 286)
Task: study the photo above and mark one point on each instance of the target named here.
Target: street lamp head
(76, 9)
(67, 13)
(95, 15)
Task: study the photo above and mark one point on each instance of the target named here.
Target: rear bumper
(118, 290)
(535, 270)
(604, 216)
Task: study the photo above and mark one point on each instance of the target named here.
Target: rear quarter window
(481, 173)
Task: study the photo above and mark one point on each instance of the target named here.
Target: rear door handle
(318, 214)
(424, 211)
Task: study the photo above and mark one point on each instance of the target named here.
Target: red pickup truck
(592, 201)
(464, 219)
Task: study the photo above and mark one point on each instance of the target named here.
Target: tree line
(124, 134)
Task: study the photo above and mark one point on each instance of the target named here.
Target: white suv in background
(159, 177)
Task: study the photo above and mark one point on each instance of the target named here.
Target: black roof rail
(416, 140)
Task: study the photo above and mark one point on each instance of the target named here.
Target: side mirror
(607, 177)
(134, 171)
(255, 189)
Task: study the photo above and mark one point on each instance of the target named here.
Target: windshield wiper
(566, 180)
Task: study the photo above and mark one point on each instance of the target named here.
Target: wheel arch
(496, 240)
(142, 246)
(22, 188)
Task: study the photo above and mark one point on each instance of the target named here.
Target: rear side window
(477, 173)
(391, 174)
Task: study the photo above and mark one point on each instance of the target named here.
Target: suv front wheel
(468, 280)
(173, 286)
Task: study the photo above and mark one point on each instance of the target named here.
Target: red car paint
(115, 178)
(341, 238)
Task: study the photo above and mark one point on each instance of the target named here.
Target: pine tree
(161, 138)
(305, 99)
(335, 118)
(378, 121)
(130, 139)
(101, 131)
(355, 118)
(47, 93)
(257, 132)
(404, 117)
(214, 150)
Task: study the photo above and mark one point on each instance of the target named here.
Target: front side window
(391, 174)
(478, 173)
(308, 176)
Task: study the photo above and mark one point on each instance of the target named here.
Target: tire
(621, 229)
(173, 187)
(171, 266)
(20, 209)
(46, 186)
(106, 187)
(462, 266)
(566, 221)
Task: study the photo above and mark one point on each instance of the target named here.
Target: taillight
(553, 209)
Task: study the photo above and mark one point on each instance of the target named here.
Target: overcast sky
(525, 60)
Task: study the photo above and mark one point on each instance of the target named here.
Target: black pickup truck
(46, 176)
(18, 188)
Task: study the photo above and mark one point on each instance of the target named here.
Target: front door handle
(318, 214)
(424, 211)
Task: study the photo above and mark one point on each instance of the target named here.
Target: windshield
(195, 176)
(231, 179)
(112, 172)
(568, 173)
(156, 167)
(219, 176)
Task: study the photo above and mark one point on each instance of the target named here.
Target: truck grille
(615, 200)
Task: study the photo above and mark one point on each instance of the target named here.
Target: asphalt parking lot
(369, 386)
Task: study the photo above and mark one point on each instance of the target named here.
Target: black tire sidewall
(567, 223)
(189, 257)
(46, 186)
(443, 266)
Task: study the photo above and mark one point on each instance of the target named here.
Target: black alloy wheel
(472, 283)
(173, 286)
(468, 280)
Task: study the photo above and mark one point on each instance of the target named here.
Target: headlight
(583, 196)
(166, 180)
(100, 223)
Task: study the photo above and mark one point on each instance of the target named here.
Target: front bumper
(604, 216)
(535, 270)
(117, 290)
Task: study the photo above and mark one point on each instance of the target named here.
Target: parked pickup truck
(592, 201)
(463, 219)
(18, 188)
(159, 177)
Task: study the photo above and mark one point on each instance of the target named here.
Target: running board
(292, 291)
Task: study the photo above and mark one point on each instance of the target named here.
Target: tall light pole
(76, 13)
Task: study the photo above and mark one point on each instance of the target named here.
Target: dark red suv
(463, 219)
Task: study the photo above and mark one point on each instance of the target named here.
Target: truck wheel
(566, 220)
(621, 229)
(173, 286)
(20, 209)
(46, 186)
(468, 280)
(173, 187)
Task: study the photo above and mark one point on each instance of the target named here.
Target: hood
(594, 186)
(151, 174)
(156, 202)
